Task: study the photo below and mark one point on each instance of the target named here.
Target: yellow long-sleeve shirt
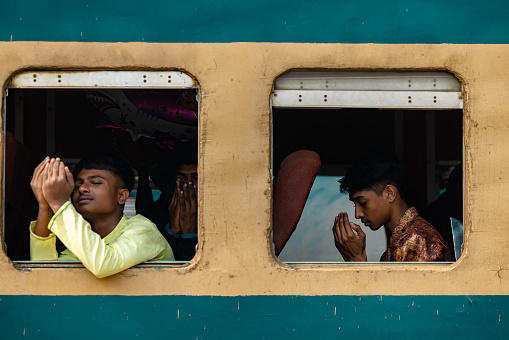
(133, 241)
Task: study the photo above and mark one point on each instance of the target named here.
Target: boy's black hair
(374, 171)
(110, 162)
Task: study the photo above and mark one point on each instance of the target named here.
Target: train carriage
(233, 57)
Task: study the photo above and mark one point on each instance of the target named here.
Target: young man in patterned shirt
(375, 186)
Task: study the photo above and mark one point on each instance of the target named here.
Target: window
(151, 118)
(341, 115)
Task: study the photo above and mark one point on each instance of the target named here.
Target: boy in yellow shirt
(92, 225)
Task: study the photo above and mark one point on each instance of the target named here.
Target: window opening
(150, 118)
(342, 115)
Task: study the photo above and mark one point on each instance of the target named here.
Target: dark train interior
(69, 124)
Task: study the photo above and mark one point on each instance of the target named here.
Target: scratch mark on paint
(469, 299)
(178, 313)
(437, 311)
(499, 317)
(238, 305)
(334, 310)
(24, 331)
(498, 270)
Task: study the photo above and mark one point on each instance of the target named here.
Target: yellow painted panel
(235, 256)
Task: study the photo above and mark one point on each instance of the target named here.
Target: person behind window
(182, 226)
(92, 225)
(448, 205)
(375, 186)
(176, 211)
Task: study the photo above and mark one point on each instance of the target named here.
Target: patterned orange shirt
(415, 239)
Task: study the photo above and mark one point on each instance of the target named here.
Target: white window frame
(382, 90)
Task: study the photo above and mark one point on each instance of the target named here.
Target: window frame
(404, 90)
(95, 80)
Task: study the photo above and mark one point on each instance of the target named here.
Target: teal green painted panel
(318, 21)
(254, 317)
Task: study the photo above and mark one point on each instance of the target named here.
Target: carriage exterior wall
(235, 285)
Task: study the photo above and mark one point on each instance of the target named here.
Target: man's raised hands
(183, 209)
(36, 184)
(58, 183)
(188, 209)
(351, 245)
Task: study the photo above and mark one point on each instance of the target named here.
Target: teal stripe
(254, 317)
(319, 21)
